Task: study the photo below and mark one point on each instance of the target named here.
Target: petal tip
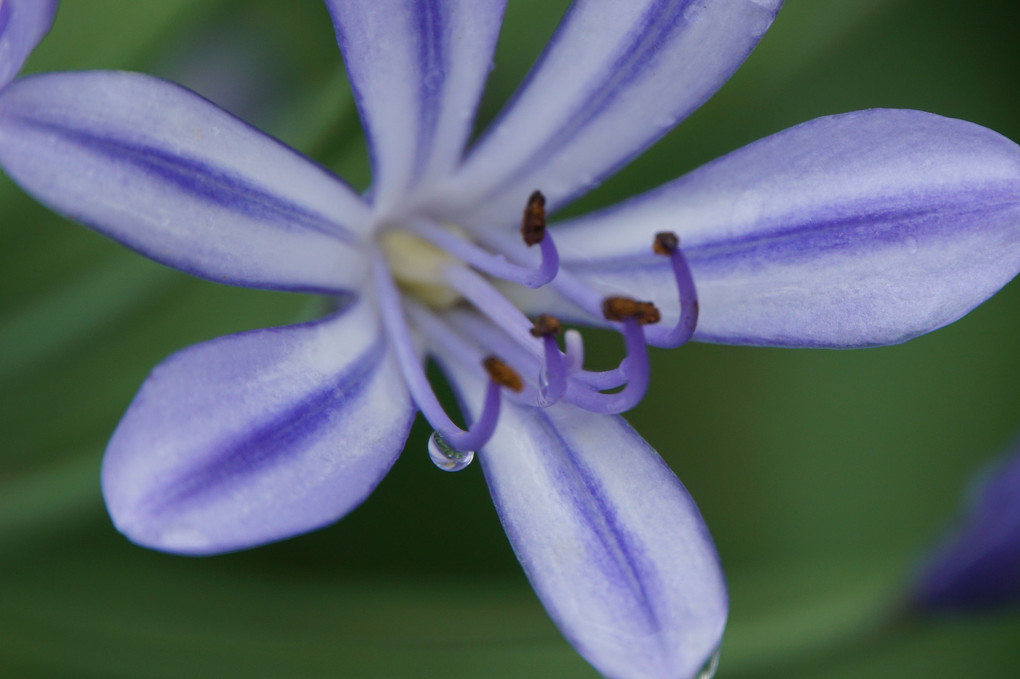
(187, 540)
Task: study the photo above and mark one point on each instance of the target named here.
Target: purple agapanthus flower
(978, 565)
(856, 230)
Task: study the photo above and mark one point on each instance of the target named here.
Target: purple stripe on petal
(645, 596)
(613, 550)
(609, 538)
(417, 70)
(170, 175)
(433, 64)
(197, 178)
(23, 23)
(615, 77)
(862, 229)
(5, 17)
(257, 437)
(389, 110)
(275, 442)
(661, 19)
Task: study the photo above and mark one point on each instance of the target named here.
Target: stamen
(603, 379)
(487, 262)
(552, 377)
(637, 374)
(470, 324)
(600, 379)
(622, 308)
(579, 293)
(634, 316)
(667, 243)
(494, 338)
(488, 300)
(452, 332)
(533, 221)
(582, 387)
(588, 299)
(546, 326)
(438, 332)
(414, 374)
(502, 374)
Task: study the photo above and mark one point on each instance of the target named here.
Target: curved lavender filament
(578, 392)
(684, 329)
(637, 371)
(439, 330)
(414, 375)
(494, 265)
(497, 341)
(492, 337)
(603, 379)
(555, 372)
(488, 300)
(494, 340)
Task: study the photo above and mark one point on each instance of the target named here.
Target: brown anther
(546, 326)
(622, 308)
(502, 374)
(666, 242)
(533, 222)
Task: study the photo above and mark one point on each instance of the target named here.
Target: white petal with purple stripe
(861, 229)
(614, 78)
(611, 541)
(169, 174)
(417, 68)
(257, 437)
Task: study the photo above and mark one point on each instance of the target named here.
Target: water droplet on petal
(709, 668)
(446, 457)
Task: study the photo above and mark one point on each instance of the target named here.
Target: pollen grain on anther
(666, 242)
(621, 308)
(502, 374)
(546, 326)
(533, 221)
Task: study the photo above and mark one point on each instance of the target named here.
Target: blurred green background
(823, 475)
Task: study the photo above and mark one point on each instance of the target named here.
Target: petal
(616, 77)
(259, 436)
(165, 172)
(861, 229)
(979, 566)
(23, 23)
(608, 536)
(417, 68)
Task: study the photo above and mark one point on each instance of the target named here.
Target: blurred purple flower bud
(978, 564)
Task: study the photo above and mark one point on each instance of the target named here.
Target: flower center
(417, 268)
(438, 279)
